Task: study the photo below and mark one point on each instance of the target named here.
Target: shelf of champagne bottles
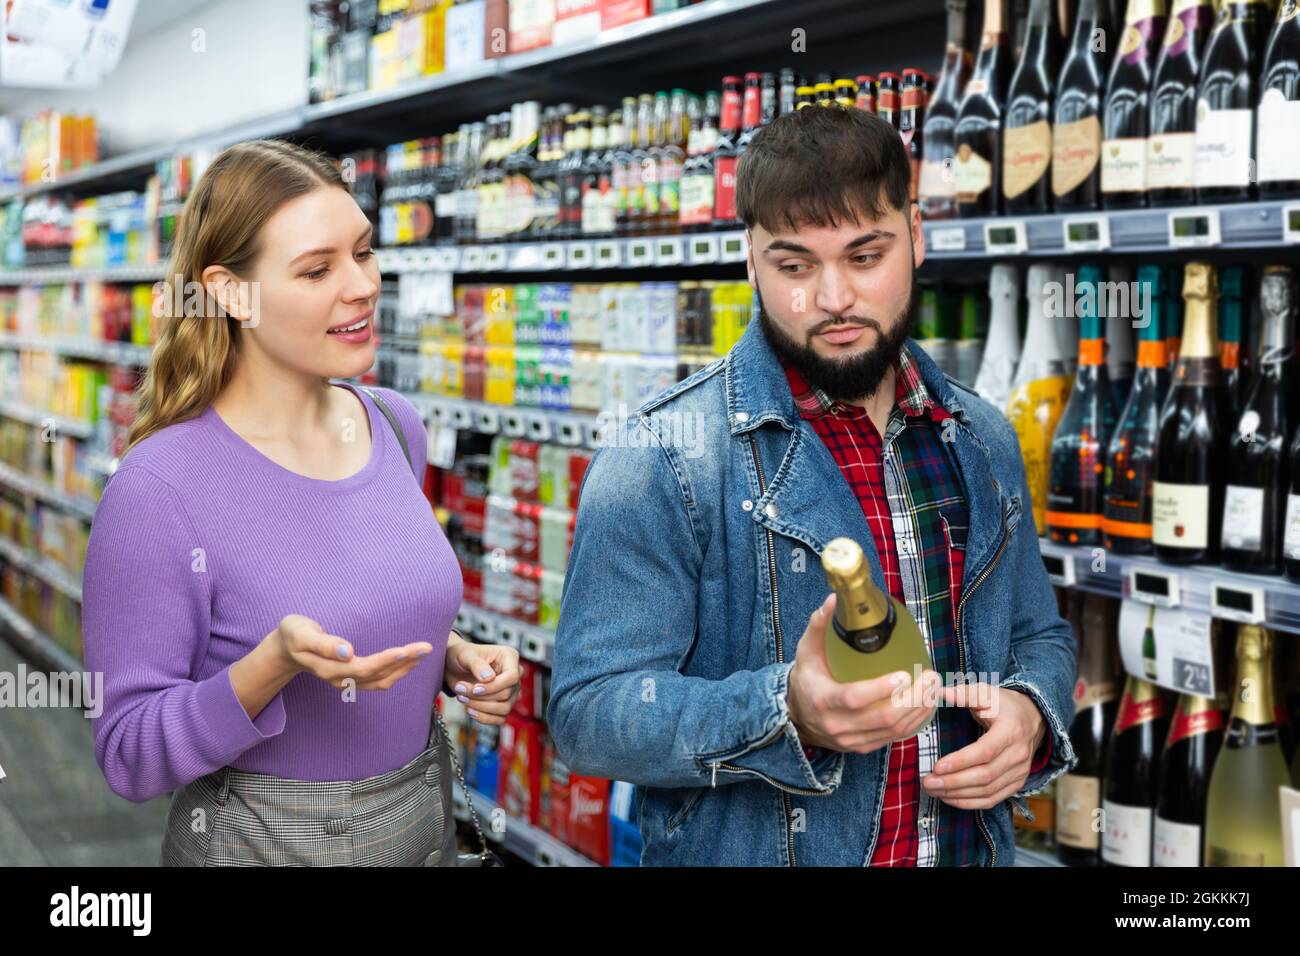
(1166, 778)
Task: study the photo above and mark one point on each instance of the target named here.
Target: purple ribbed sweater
(200, 545)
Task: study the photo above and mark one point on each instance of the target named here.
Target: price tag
(461, 416)
(948, 239)
(408, 260)
(533, 647)
(569, 432)
(1085, 233)
(487, 421)
(553, 256)
(704, 250)
(640, 252)
(1194, 230)
(732, 247)
(426, 260)
(580, 255)
(1236, 602)
(471, 259)
(494, 259)
(387, 260)
(441, 445)
(449, 259)
(507, 633)
(512, 424)
(1005, 237)
(609, 255)
(1060, 569)
(669, 251)
(1291, 223)
(525, 258)
(1153, 586)
(538, 426)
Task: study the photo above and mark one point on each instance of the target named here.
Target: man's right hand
(857, 717)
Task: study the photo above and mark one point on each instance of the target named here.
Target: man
(689, 658)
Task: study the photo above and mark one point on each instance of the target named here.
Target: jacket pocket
(956, 524)
(684, 812)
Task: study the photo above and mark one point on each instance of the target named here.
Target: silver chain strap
(455, 763)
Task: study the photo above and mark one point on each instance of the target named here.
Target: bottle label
(1034, 410)
(697, 199)
(1128, 835)
(1171, 161)
(1223, 139)
(1186, 725)
(1243, 733)
(1133, 712)
(1185, 25)
(1176, 844)
(1129, 465)
(974, 174)
(1027, 152)
(937, 180)
(1243, 518)
(1219, 856)
(725, 188)
(731, 110)
(1124, 166)
(1291, 536)
(1076, 149)
(1279, 131)
(1078, 798)
(1180, 515)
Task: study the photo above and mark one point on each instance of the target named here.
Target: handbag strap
(442, 727)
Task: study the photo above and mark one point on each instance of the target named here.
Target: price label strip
(1060, 569)
(1236, 602)
(1005, 237)
(948, 239)
(1153, 586)
(1194, 230)
(1085, 233)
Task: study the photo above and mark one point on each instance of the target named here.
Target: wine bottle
(979, 120)
(1225, 102)
(1195, 735)
(1076, 119)
(932, 327)
(1243, 822)
(997, 370)
(1257, 453)
(1130, 461)
(1231, 289)
(1171, 145)
(1125, 114)
(938, 189)
(1076, 485)
(1132, 774)
(1041, 386)
(1027, 134)
(1173, 314)
(1120, 361)
(871, 633)
(1279, 106)
(1187, 497)
(972, 333)
(1096, 700)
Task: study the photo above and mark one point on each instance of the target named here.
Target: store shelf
(575, 429)
(692, 249)
(520, 837)
(35, 644)
(48, 275)
(40, 567)
(34, 416)
(534, 643)
(113, 353)
(1270, 600)
(1027, 857)
(1231, 226)
(27, 485)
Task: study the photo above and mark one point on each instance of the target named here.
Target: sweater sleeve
(146, 609)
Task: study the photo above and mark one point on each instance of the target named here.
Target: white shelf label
(494, 259)
(669, 251)
(471, 259)
(1060, 569)
(426, 260)
(1005, 237)
(732, 247)
(408, 260)
(441, 445)
(703, 250)
(487, 420)
(640, 252)
(609, 255)
(1153, 586)
(1194, 230)
(948, 239)
(538, 426)
(1085, 233)
(1236, 602)
(512, 424)
(553, 256)
(449, 259)
(580, 255)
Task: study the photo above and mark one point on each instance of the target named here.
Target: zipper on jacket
(961, 660)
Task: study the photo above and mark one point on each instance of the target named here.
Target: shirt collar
(910, 394)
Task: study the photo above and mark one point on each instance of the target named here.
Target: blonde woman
(267, 592)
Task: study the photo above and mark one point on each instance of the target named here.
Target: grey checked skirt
(236, 818)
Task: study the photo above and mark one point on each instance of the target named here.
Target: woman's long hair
(196, 355)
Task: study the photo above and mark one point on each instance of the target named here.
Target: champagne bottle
(972, 333)
(1120, 361)
(871, 633)
(1195, 735)
(1173, 314)
(1041, 387)
(1130, 461)
(938, 189)
(1243, 825)
(1076, 120)
(1225, 102)
(1027, 137)
(1132, 774)
(1187, 498)
(979, 120)
(1002, 346)
(1231, 288)
(1125, 114)
(934, 326)
(1076, 485)
(1171, 146)
(1096, 700)
(1257, 454)
(1279, 106)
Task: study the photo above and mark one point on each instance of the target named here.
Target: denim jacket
(695, 566)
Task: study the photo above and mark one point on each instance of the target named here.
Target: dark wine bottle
(1195, 735)
(1027, 132)
(1076, 119)
(1279, 106)
(1130, 461)
(1257, 454)
(1171, 143)
(1232, 280)
(979, 119)
(1187, 497)
(938, 181)
(1096, 700)
(1125, 114)
(1132, 774)
(1225, 102)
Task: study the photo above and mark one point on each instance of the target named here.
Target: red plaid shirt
(857, 447)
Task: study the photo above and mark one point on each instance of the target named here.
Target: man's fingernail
(935, 782)
(342, 651)
(460, 688)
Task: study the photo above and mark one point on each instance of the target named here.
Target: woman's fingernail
(421, 652)
(479, 688)
(485, 675)
(402, 656)
(460, 689)
(463, 699)
(473, 713)
(342, 651)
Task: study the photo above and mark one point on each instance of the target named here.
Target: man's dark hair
(820, 166)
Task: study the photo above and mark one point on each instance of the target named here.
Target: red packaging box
(559, 800)
(531, 701)
(589, 817)
(519, 785)
(578, 463)
(525, 470)
(614, 13)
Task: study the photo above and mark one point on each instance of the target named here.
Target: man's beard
(848, 379)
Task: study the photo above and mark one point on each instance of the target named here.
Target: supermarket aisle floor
(55, 807)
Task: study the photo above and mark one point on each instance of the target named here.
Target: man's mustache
(847, 320)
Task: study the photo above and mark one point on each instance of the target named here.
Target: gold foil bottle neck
(859, 602)
(1200, 281)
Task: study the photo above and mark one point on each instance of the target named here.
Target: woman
(267, 592)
